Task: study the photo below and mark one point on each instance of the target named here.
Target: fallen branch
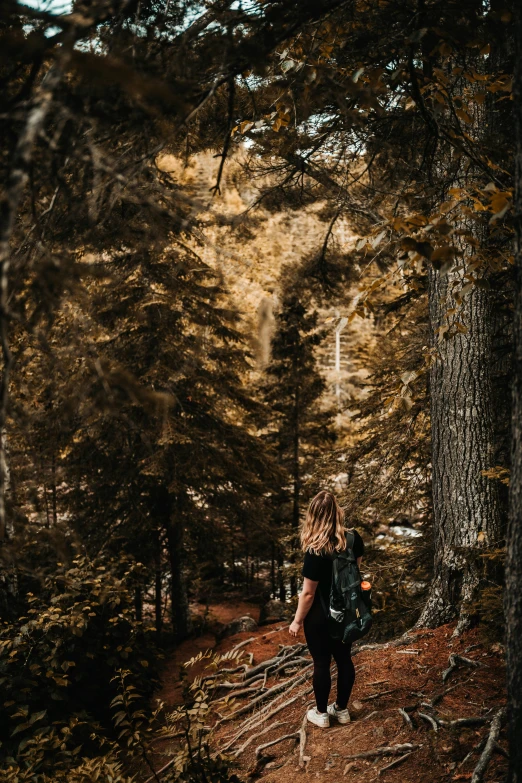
(485, 758)
(396, 762)
(388, 750)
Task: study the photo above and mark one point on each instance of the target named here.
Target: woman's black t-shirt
(318, 568)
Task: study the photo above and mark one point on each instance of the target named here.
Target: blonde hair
(323, 530)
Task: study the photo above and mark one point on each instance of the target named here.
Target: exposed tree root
(376, 695)
(289, 660)
(209, 677)
(429, 719)
(454, 661)
(261, 748)
(297, 662)
(400, 642)
(459, 722)
(303, 760)
(388, 750)
(156, 775)
(439, 696)
(284, 655)
(233, 686)
(396, 762)
(231, 653)
(252, 737)
(478, 747)
(277, 630)
(273, 691)
(500, 750)
(491, 743)
(247, 692)
(406, 718)
(252, 723)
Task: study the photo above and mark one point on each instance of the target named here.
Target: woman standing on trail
(323, 533)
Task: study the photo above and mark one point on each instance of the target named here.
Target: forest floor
(407, 675)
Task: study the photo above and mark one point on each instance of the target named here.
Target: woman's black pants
(322, 647)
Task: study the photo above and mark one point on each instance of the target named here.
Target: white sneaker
(342, 716)
(320, 719)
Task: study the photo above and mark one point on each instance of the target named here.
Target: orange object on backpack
(366, 586)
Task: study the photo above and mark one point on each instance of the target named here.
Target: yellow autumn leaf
(464, 116)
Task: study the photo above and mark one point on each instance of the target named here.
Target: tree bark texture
(178, 589)
(296, 488)
(9, 203)
(466, 504)
(158, 592)
(513, 591)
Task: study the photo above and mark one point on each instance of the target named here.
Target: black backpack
(350, 610)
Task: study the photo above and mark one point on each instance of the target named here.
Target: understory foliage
(59, 660)
(65, 742)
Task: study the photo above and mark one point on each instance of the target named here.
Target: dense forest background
(248, 250)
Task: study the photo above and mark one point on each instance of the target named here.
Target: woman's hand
(295, 628)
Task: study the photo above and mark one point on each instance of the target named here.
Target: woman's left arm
(306, 600)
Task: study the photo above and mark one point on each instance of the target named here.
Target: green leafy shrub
(190, 726)
(58, 663)
(77, 674)
(69, 768)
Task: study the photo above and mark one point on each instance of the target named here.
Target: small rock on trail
(239, 625)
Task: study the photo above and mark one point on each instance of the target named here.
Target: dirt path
(390, 678)
(219, 615)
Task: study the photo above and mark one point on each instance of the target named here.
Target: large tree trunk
(467, 509)
(178, 589)
(158, 592)
(281, 575)
(170, 514)
(513, 593)
(296, 490)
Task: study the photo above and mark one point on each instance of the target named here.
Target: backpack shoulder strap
(350, 539)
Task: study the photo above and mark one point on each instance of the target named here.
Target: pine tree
(159, 453)
(299, 426)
